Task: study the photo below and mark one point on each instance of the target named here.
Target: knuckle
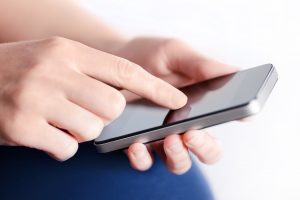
(125, 71)
(49, 57)
(57, 42)
(154, 91)
(171, 42)
(55, 45)
(37, 66)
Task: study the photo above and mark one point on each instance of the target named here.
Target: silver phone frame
(239, 112)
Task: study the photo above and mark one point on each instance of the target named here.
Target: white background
(261, 158)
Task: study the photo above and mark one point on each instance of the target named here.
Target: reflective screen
(203, 98)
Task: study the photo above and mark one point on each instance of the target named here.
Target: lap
(30, 174)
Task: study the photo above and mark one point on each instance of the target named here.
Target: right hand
(55, 93)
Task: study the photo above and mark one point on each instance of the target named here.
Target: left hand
(178, 64)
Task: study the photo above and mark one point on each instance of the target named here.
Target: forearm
(33, 19)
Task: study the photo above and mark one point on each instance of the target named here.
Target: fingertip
(67, 152)
(179, 100)
(178, 159)
(169, 96)
(182, 170)
(139, 157)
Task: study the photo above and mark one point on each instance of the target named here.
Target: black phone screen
(206, 97)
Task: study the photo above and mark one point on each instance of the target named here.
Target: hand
(178, 64)
(55, 93)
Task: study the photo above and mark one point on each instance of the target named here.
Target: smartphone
(215, 101)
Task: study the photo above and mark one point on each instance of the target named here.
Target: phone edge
(248, 109)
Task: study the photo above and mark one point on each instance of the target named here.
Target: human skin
(177, 63)
(56, 93)
(169, 59)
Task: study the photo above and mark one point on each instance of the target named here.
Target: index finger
(122, 73)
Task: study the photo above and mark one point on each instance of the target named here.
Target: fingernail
(175, 147)
(195, 140)
(139, 152)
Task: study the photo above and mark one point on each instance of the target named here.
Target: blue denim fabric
(30, 174)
